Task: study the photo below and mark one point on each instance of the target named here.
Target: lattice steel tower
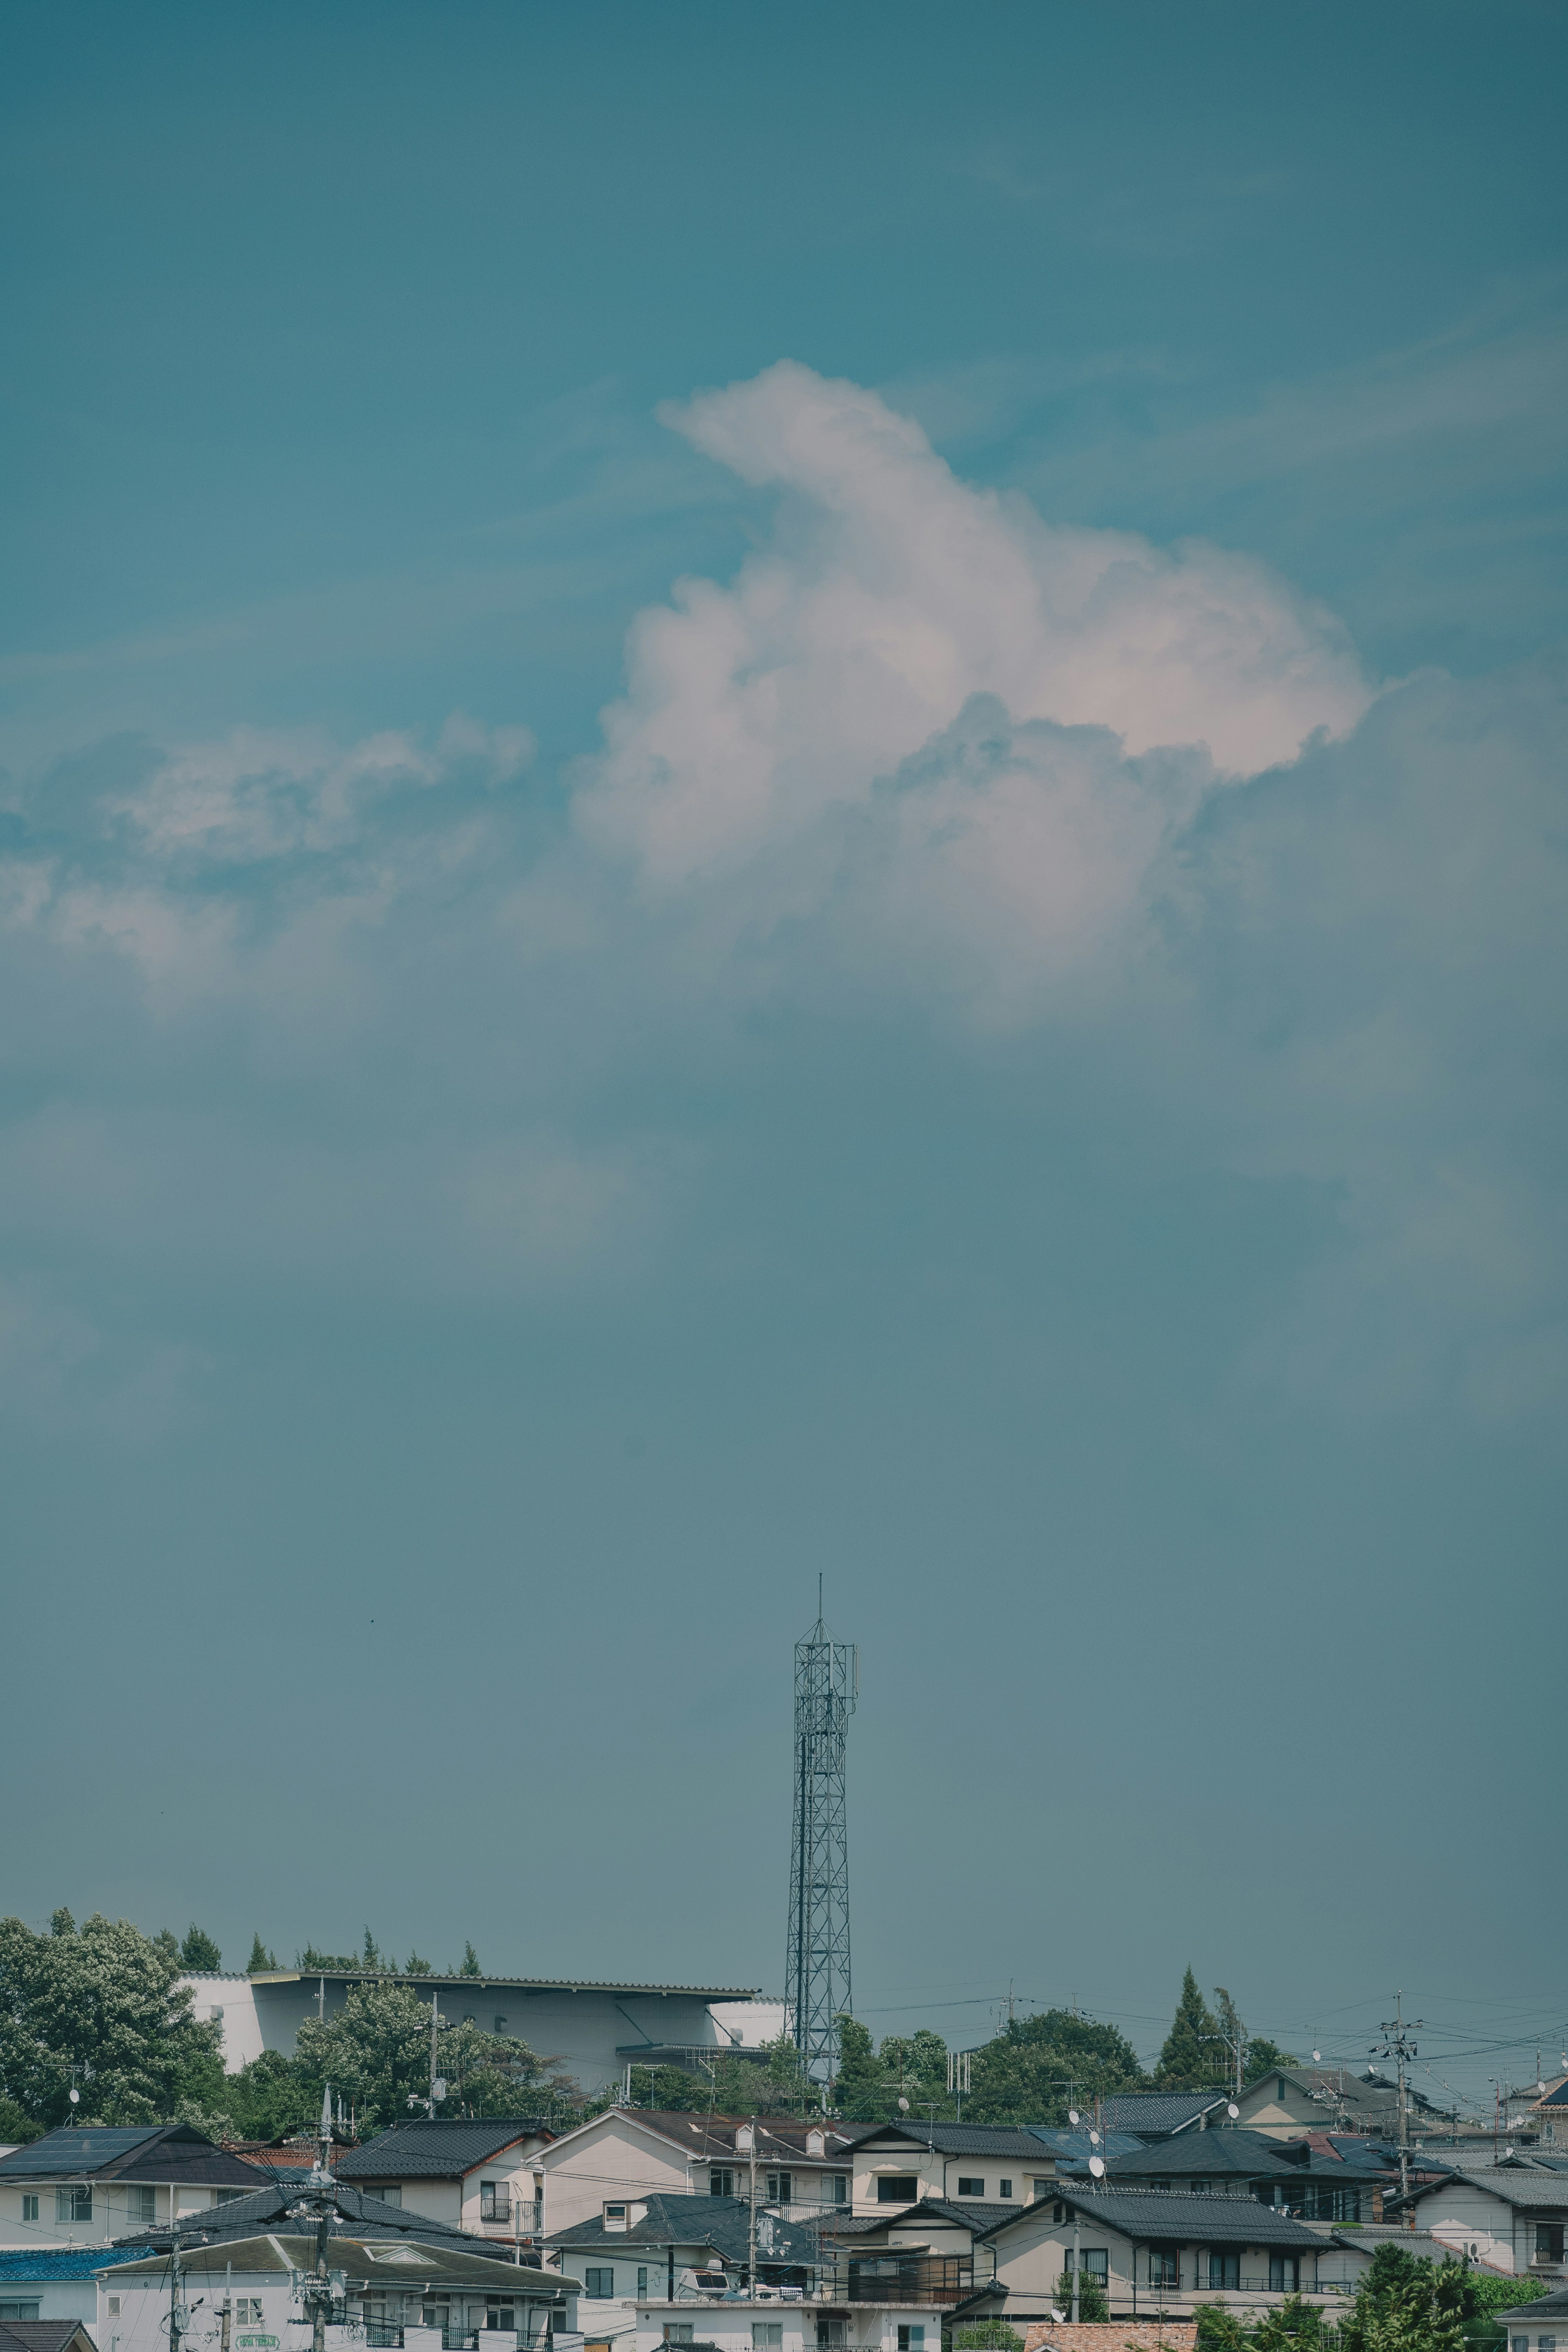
(817, 1981)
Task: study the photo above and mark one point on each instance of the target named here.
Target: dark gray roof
(1069, 2146)
(1545, 2306)
(465, 1985)
(779, 2140)
(434, 2152)
(40, 2334)
(147, 2152)
(722, 2222)
(976, 2213)
(1159, 2111)
(1237, 2154)
(1532, 2188)
(438, 2254)
(268, 2208)
(1173, 2216)
(958, 2139)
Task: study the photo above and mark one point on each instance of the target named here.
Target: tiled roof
(267, 2209)
(1158, 2111)
(778, 2140)
(434, 2152)
(1545, 2306)
(958, 2139)
(39, 2334)
(39, 2265)
(154, 2152)
(69, 2149)
(722, 2222)
(1175, 2217)
(1500, 2180)
(1246, 2155)
(1077, 2147)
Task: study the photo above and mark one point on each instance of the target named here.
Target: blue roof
(42, 2263)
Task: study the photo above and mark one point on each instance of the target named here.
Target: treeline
(99, 2009)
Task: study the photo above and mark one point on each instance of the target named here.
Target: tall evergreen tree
(260, 1959)
(470, 1967)
(199, 1952)
(1192, 2058)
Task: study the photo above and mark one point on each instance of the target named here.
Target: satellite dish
(438, 2087)
(1232, 2110)
(1541, 2086)
(903, 2106)
(75, 2098)
(1317, 2056)
(1073, 2117)
(1097, 2166)
(1094, 2139)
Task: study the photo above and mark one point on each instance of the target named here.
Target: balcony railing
(521, 2216)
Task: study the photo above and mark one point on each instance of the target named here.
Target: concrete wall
(874, 2326)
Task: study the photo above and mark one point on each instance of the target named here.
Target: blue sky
(782, 793)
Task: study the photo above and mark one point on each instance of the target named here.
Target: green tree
(100, 2007)
(860, 2086)
(414, 1967)
(199, 1952)
(470, 1967)
(273, 2097)
(987, 2335)
(334, 1964)
(261, 1960)
(1192, 2058)
(1038, 2067)
(1219, 2330)
(1093, 2303)
(375, 2052)
(15, 2123)
(1265, 2057)
(1293, 2326)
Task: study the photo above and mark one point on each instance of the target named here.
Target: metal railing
(523, 2215)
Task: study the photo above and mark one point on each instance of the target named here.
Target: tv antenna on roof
(1097, 2167)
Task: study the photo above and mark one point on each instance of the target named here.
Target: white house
(388, 2288)
(901, 2164)
(1512, 2217)
(81, 2186)
(482, 2176)
(756, 2325)
(802, 2167)
(1538, 2326)
(54, 2282)
(595, 2030)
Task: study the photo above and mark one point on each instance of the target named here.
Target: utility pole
(746, 2145)
(1075, 2265)
(319, 2295)
(176, 2310)
(1398, 2047)
(228, 2313)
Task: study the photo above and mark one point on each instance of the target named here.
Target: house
(354, 2212)
(802, 2167)
(1359, 2246)
(1537, 2326)
(592, 2030)
(1320, 2177)
(387, 2286)
(1509, 2216)
(1155, 2114)
(1293, 2099)
(1153, 2250)
(660, 2246)
(758, 2326)
(1548, 2116)
(904, 2163)
(84, 2186)
(481, 2176)
(55, 2284)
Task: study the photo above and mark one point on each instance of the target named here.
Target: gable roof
(436, 2151)
(1522, 2188)
(126, 2152)
(271, 2207)
(42, 2334)
(1155, 2113)
(1075, 2147)
(1172, 2217)
(722, 2222)
(976, 2214)
(779, 2140)
(1018, 2140)
(1236, 2153)
(438, 2255)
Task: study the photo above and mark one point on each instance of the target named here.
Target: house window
(1225, 2270)
(10, 2308)
(765, 2333)
(220, 2197)
(1164, 2270)
(1199, 2188)
(1546, 2344)
(495, 2200)
(1158, 2184)
(615, 2217)
(678, 2331)
(721, 2182)
(392, 2194)
(1097, 2262)
(114, 2306)
(835, 2187)
(29, 2209)
(500, 2314)
(1518, 2344)
(971, 2185)
(642, 2280)
(1282, 2086)
(1284, 2273)
(73, 2204)
(1039, 2188)
(830, 2336)
(247, 2310)
(913, 2338)
(897, 2189)
(778, 2190)
(1549, 2242)
(600, 2283)
(1004, 2188)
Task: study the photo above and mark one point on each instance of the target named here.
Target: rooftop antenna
(816, 1974)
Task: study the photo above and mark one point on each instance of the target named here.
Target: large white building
(596, 2030)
